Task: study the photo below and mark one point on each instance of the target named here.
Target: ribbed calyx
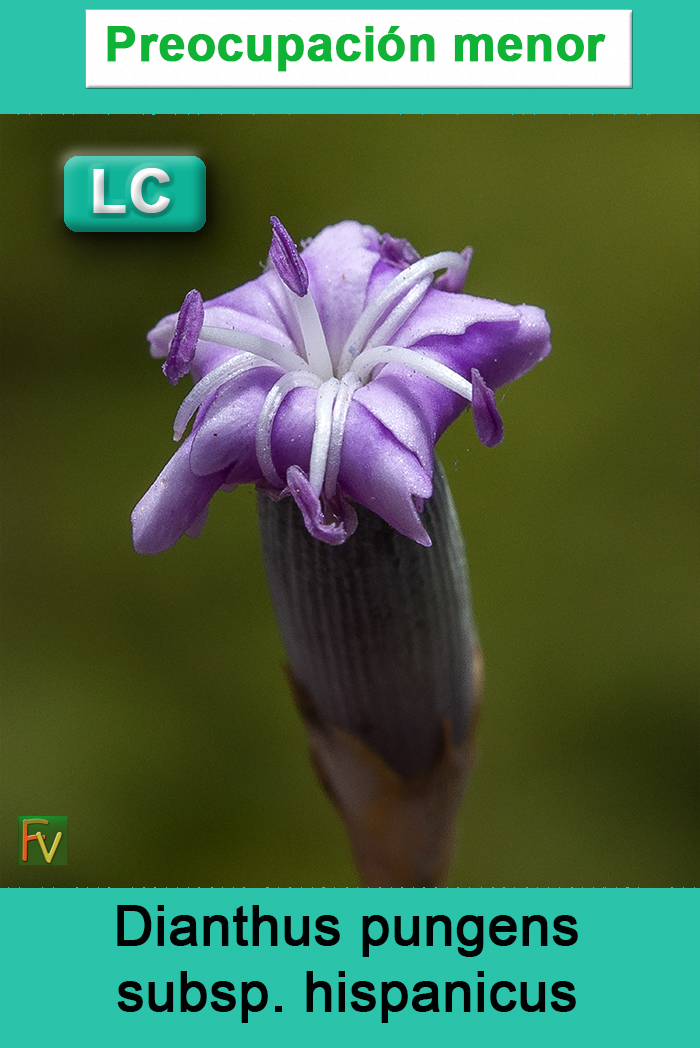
(379, 631)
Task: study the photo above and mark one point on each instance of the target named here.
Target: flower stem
(386, 671)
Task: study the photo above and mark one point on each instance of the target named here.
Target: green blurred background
(144, 697)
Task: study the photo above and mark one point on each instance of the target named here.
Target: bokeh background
(144, 698)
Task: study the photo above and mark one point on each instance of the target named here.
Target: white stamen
(325, 401)
(266, 419)
(262, 347)
(199, 393)
(314, 339)
(399, 314)
(410, 358)
(392, 293)
(348, 384)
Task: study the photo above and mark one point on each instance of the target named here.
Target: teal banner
(537, 966)
(45, 71)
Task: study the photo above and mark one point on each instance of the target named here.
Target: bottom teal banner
(491, 966)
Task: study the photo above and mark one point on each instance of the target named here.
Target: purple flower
(330, 378)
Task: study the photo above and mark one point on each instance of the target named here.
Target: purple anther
(287, 260)
(397, 251)
(487, 421)
(331, 521)
(182, 348)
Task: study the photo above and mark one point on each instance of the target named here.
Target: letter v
(48, 855)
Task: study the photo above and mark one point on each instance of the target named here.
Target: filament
(325, 401)
(410, 358)
(392, 293)
(262, 347)
(317, 355)
(199, 393)
(348, 384)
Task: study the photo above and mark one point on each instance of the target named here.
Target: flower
(329, 379)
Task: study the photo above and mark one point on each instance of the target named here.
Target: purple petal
(451, 280)
(381, 474)
(501, 352)
(417, 410)
(173, 504)
(261, 307)
(287, 260)
(397, 251)
(411, 407)
(184, 343)
(332, 521)
(503, 342)
(444, 313)
(376, 469)
(293, 430)
(225, 438)
(200, 523)
(487, 421)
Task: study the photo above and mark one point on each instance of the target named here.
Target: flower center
(367, 347)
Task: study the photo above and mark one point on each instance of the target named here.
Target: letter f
(26, 838)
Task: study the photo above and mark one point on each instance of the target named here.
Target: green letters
(508, 44)
(113, 43)
(578, 47)
(340, 48)
(546, 47)
(209, 47)
(320, 48)
(348, 47)
(146, 42)
(474, 42)
(171, 48)
(223, 48)
(283, 55)
(593, 42)
(265, 55)
(429, 42)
